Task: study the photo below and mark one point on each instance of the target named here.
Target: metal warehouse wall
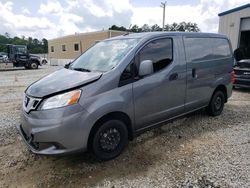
(84, 40)
(229, 25)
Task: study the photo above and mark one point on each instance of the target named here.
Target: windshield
(21, 50)
(104, 56)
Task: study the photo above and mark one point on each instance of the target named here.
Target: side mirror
(146, 68)
(66, 66)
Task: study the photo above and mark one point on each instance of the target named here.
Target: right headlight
(61, 100)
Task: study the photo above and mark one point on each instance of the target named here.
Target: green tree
(136, 29)
(34, 45)
(145, 28)
(183, 26)
(156, 28)
(45, 45)
(117, 28)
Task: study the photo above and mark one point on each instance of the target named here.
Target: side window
(203, 49)
(76, 47)
(64, 48)
(198, 49)
(127, 75)
(221, 48)
(21, 50)
(159, 51)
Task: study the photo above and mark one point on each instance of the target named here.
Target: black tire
(26, 67)
(216, 104)
(109, 140)
(33, 65)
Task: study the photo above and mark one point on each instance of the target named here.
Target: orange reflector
(74, 98)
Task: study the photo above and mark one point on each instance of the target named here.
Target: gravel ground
(197, 151)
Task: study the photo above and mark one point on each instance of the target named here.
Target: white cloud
(97, 10)
(205, 13)
(20, 24)
(57, 18)
(52, 7)
(68, 23)
(25, 11)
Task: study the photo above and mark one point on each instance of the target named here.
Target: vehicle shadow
(164, 145)
(12, 69)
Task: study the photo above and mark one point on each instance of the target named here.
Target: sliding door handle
(194, 74)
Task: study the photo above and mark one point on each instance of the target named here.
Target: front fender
(35, 60)
(116, 100)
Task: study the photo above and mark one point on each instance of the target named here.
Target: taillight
(233, 77)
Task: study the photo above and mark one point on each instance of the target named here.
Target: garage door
(245, 24)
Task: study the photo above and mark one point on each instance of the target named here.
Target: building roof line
(234, 10)
(87, 33)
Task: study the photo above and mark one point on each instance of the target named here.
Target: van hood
(61, 80)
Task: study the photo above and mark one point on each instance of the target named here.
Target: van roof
(158, 34)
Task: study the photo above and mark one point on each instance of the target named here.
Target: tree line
(34, 45)
(41, 46)
(182, 26)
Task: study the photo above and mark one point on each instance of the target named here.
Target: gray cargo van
(123, 86)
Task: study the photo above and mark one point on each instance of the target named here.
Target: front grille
(30, 103)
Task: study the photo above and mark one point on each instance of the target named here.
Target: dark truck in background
(18, 56)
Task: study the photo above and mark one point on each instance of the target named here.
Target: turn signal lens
(75, 97)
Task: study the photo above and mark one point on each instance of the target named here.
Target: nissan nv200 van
(123, 86)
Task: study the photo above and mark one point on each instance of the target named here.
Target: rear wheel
(109, 140)
(33, 65)
(216, 104)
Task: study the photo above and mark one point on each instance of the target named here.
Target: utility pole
(163, 5)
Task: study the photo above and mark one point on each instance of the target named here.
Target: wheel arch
(112, 115)
(222, 88)
(34, 60)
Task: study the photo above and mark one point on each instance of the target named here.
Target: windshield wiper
(82, 69)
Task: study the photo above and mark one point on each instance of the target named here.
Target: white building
(235, 23)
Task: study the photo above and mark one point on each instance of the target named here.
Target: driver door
(160, 95)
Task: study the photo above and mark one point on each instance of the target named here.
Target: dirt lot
(197, 151)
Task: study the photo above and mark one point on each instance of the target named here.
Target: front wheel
(110, 140)
(216, 104)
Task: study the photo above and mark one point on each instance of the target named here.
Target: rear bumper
(242, 82)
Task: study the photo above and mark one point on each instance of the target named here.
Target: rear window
(221, 48)
(203, 49)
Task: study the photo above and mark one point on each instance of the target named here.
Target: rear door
(160, 95)
(208, 61)
(200, 74)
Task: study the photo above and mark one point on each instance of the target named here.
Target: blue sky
(53, 18)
